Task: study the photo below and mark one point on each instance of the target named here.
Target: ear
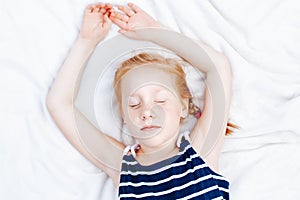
(185, 104)
(123, 117)
(121, 113)
(185, 107)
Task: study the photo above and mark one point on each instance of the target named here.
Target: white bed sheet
(261, 40)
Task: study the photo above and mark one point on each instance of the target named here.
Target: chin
(157, 139)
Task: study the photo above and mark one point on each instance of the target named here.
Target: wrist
(83, 47)
(159, 25)
(86, 43)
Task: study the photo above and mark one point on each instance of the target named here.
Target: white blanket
(261, 40)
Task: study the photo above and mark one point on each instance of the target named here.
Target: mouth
(149, 128)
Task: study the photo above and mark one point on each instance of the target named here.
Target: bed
(261, 40)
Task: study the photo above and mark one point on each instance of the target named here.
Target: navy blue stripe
(225, 195)
(153, 167)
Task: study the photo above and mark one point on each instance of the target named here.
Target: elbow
(225, 63)
(223, 66)
(50, 104)
(55, 102)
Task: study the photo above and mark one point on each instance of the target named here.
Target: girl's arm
(204, 123)
(132, 18)
(95, 26)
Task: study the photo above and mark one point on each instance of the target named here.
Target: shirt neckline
(164, 162)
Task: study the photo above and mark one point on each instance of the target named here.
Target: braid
(193, 109)
(196, 111)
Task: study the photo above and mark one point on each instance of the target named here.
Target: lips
(149, 128)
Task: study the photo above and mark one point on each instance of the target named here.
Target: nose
(147, 117)
(146, 114)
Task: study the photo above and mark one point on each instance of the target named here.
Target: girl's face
(154, 114)
(151, 111)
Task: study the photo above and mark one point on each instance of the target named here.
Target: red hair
(175, 68)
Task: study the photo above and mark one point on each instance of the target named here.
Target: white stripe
(164, 180)
(200, 192)
(223, 179)
(224, 189)
(130, 162)
(160, 169)
(218, 198)
(219, 177)
(173, 189)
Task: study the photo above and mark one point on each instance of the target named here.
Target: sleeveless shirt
(183, 176)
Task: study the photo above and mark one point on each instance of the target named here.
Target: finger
(122, 31)
(89, 9)
(120, 23)
(102, 10)
(126, 10)
(109, 12)
(100, 5)
(134, 7)
(108, 6)
(107, 22)
(95, 9)
(119, 16)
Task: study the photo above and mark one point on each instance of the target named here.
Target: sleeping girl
(153, 99)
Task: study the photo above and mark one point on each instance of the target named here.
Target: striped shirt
(183, 176)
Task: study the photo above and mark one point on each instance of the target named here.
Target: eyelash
(136, 106)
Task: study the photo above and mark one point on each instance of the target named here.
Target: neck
(149, 154)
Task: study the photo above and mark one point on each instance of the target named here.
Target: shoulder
(212, 158)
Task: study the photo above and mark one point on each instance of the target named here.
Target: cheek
(133, 115)
(132, 123)
(173, 112)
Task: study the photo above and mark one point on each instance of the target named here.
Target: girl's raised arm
(95, 26)
(132, 18)
(204, 123)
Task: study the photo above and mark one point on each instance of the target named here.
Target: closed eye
(160, 101)
(134, 106)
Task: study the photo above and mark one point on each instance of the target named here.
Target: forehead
(151, 88)
(148, 75)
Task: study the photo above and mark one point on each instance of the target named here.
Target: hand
(132, 18)
(96, 22)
